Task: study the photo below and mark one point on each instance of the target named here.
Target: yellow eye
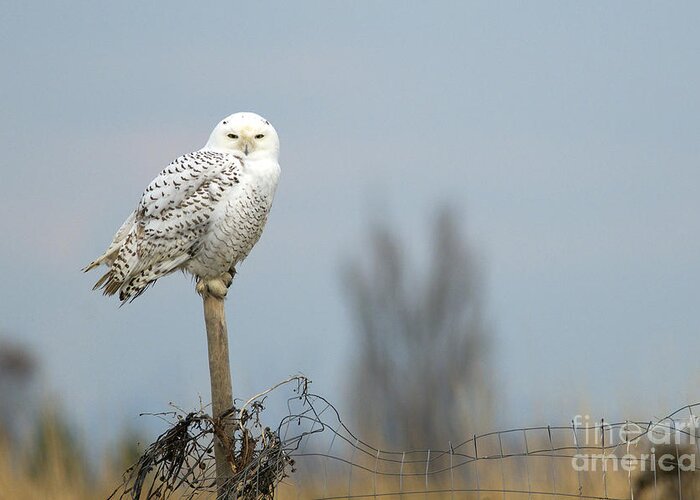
(259, 136)
(233, 136)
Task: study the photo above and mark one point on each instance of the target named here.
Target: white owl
(202, 214)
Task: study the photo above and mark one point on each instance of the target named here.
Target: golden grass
(55, 469)
(57, 476)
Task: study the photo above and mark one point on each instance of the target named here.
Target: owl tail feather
(111, 285)
(102, 283)
(92, 265)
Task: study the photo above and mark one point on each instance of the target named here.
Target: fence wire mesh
(312, 454)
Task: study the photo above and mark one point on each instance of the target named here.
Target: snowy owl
(202, 214)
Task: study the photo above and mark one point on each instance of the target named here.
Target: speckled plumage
(202, 214)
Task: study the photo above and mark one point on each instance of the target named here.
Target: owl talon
(228, 277)
(216, 287)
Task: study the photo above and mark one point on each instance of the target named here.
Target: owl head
(245, 133)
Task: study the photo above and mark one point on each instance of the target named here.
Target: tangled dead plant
(180, 463)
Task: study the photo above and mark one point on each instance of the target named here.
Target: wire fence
(312, 454)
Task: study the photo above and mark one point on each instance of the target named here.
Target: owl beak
(248, 146)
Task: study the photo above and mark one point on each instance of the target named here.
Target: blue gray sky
(565, 133)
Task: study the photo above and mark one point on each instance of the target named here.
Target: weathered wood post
(213, 295)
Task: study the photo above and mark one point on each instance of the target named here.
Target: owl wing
(180, 180)
(169, 222)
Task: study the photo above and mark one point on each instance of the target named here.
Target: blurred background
(491, 209)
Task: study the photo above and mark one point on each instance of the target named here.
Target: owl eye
(259, 136)
(233, 136)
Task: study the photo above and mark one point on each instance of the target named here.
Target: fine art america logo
(630, 446)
